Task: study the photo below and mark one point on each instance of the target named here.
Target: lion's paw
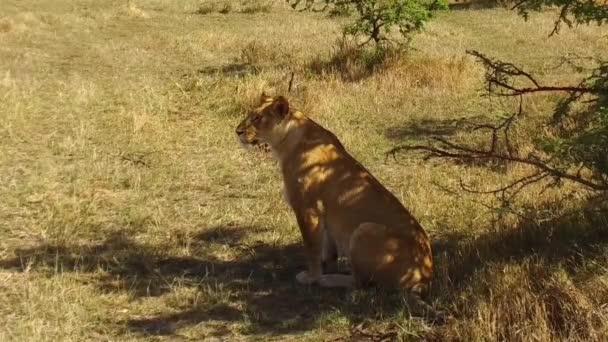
(337, 280)
(305, 278)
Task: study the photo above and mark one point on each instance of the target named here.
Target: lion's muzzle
(245, 138)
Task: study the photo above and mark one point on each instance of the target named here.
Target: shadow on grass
(350, 62)
(570, 240)
(427, 128)
(262, 276)
(539, 275)
(455, 5)
(230, 70)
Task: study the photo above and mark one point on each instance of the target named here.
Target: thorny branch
(571, 12)
(499, 148)
(451, 150)
(563, 17)
(574, 61)
(502, 76)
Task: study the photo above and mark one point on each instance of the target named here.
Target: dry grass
(243, 6)
(128, 212)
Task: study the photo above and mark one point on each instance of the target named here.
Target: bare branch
(499, 76)
(562, 17)
(455, 151)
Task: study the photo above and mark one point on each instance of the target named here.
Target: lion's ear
(281, 106)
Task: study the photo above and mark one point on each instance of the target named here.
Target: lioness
(341, 209)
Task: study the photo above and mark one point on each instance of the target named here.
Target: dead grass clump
(398, 68)
(454, 73)
(226, 7)
(6, 25)
(520, 301)
(569, 311)
(192, 88)
(205, 9)
(131, 10)
(260, 54)
(21, 22)
(255, 53)
(136, 12)
(479, 4)
(538, 282)
(338, 12)
(350, 62)
(251, 7)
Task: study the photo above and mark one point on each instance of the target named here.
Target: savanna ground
(129, 212)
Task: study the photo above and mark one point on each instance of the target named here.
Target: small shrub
(205, 9)
(255, 7)
(376, 19)
(351, 61)
(226, 8)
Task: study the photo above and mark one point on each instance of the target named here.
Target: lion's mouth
(255, 144)
(246, 141)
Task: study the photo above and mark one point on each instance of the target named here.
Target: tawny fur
(341, 209)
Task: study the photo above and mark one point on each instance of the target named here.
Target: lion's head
(263, 123)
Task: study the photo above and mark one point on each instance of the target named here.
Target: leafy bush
(375, 20)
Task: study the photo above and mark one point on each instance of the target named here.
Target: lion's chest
(306, 186)
(305, 175)
(292, 190)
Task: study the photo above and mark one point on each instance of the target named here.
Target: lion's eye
(256, 119)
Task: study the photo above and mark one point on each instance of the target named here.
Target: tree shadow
(535, 274)
(130, 266)
(261, 277)
(427, 128)
(455, 5)
(168, 324)
(351, 63)
(569, 239)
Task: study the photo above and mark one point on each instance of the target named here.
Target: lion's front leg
(329, 252)
(311, 228)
